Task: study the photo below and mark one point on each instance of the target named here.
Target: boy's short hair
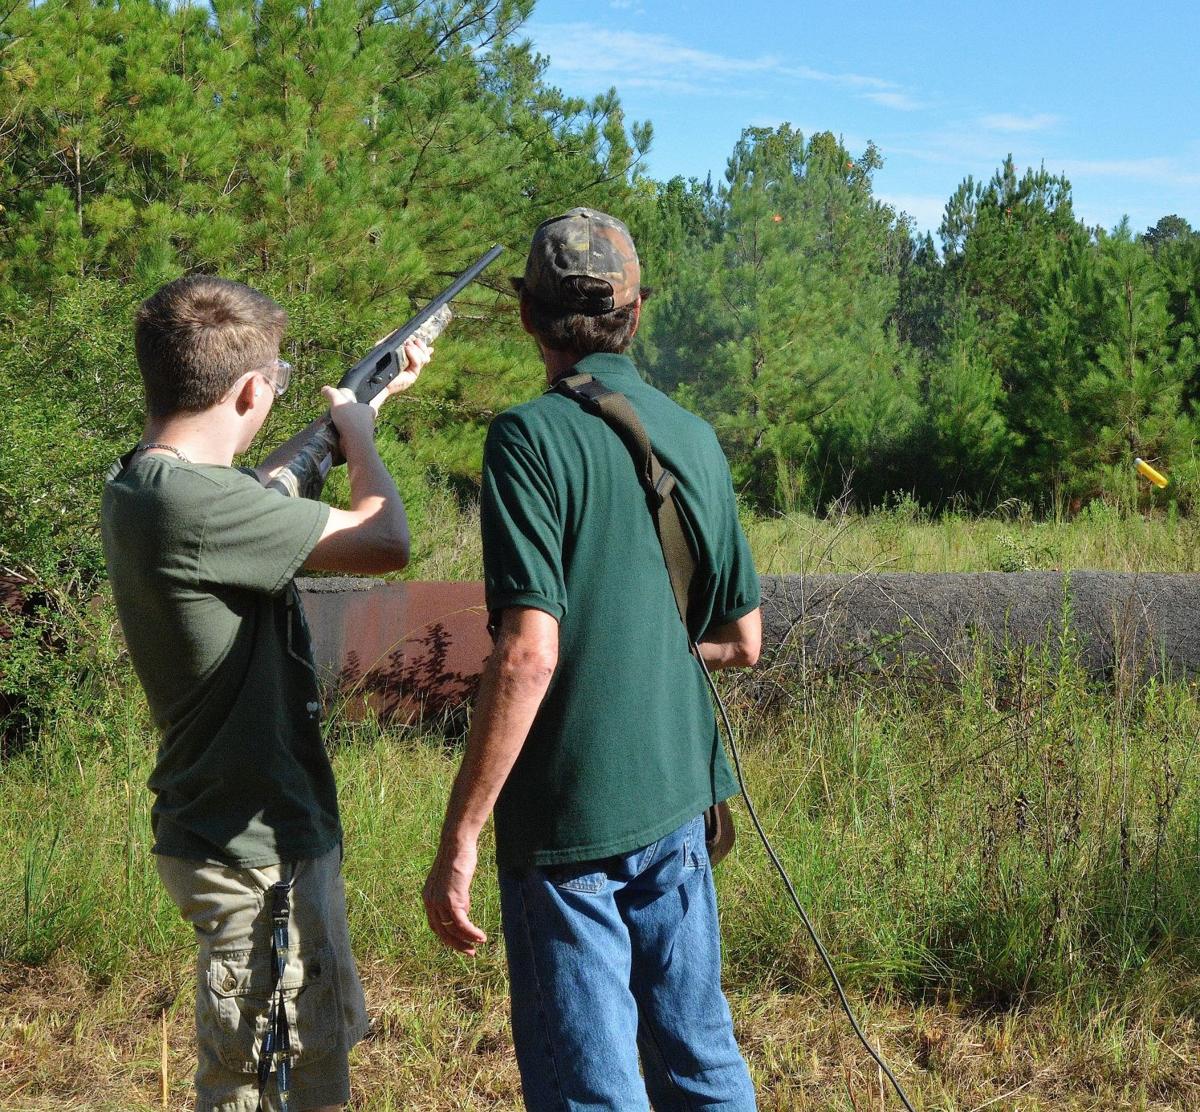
(197, 335)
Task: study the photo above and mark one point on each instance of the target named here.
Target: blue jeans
(608, 958)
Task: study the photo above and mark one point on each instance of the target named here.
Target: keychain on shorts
(276, 1048)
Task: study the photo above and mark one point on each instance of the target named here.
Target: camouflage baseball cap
(583, 243)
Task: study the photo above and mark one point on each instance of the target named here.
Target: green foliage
(774, 324)
(965, 433)
(344, 157)
(1106, 373)
(68, 406)
(348, 157)
(1033, 358)
(1168, 230)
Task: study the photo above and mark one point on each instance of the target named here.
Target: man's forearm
(514, 683)
(511, 690)
(735, 644)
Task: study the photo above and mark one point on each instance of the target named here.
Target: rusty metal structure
(407, 650)
(404, 650)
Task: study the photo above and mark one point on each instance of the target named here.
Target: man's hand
(447, 897)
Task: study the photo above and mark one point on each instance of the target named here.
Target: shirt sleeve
(521, 526)
(257, 539)
(736, 588)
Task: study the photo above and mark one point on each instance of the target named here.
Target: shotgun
(304, 475)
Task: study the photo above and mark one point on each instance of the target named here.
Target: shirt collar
(605, 366)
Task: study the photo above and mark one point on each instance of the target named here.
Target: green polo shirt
(201, 560)
(625, 747)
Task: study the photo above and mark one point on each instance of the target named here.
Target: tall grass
(1019, 834)
(1024, 841)
(899, 537)
(905, 537)
(1000, 841)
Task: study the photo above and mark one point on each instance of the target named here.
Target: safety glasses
(282, 376)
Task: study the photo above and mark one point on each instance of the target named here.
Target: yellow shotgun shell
(1144, 469)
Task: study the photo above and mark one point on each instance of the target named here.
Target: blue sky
(1107, 93)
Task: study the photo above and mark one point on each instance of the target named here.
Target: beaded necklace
(165, 448)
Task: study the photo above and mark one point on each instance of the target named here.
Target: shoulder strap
(656, 480)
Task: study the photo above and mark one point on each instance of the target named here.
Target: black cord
(837, 984)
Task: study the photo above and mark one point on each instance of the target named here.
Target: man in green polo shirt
(593, 737)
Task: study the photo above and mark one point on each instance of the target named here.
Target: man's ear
(526, 322)
(637, 317)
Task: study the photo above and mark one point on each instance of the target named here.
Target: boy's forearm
(368, 476)
(373, 491)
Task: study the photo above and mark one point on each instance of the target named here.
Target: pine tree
(921, 299)
(1132, 397)
(776, 330)
(346, 158)
(1179, 264)
(1105, 383)
(967, 443)
(1001, 242)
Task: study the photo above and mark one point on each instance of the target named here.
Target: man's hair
(565, 329)
(197, 335)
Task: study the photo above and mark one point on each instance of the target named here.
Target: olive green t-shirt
(624, 748)
(201, 560)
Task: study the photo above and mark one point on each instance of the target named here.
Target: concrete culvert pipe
(404, 648)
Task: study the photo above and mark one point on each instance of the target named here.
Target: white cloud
(981, 154)
(595, 51)
(848, 80)
(1154, 169)
(1008, 121)
(902, 102)
(632, 59)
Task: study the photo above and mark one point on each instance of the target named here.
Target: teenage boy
(593, 735)
(201, 557)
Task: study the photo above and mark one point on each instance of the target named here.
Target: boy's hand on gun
(416, 355)
(355, 420)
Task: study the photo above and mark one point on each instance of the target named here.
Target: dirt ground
(67, 1043)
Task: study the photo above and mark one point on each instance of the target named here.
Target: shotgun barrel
(304, 474)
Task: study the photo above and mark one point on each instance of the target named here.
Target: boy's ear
(249, 393)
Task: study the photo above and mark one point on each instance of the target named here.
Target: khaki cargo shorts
(230, 911)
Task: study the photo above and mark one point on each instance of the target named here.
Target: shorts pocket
(232, 1015)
